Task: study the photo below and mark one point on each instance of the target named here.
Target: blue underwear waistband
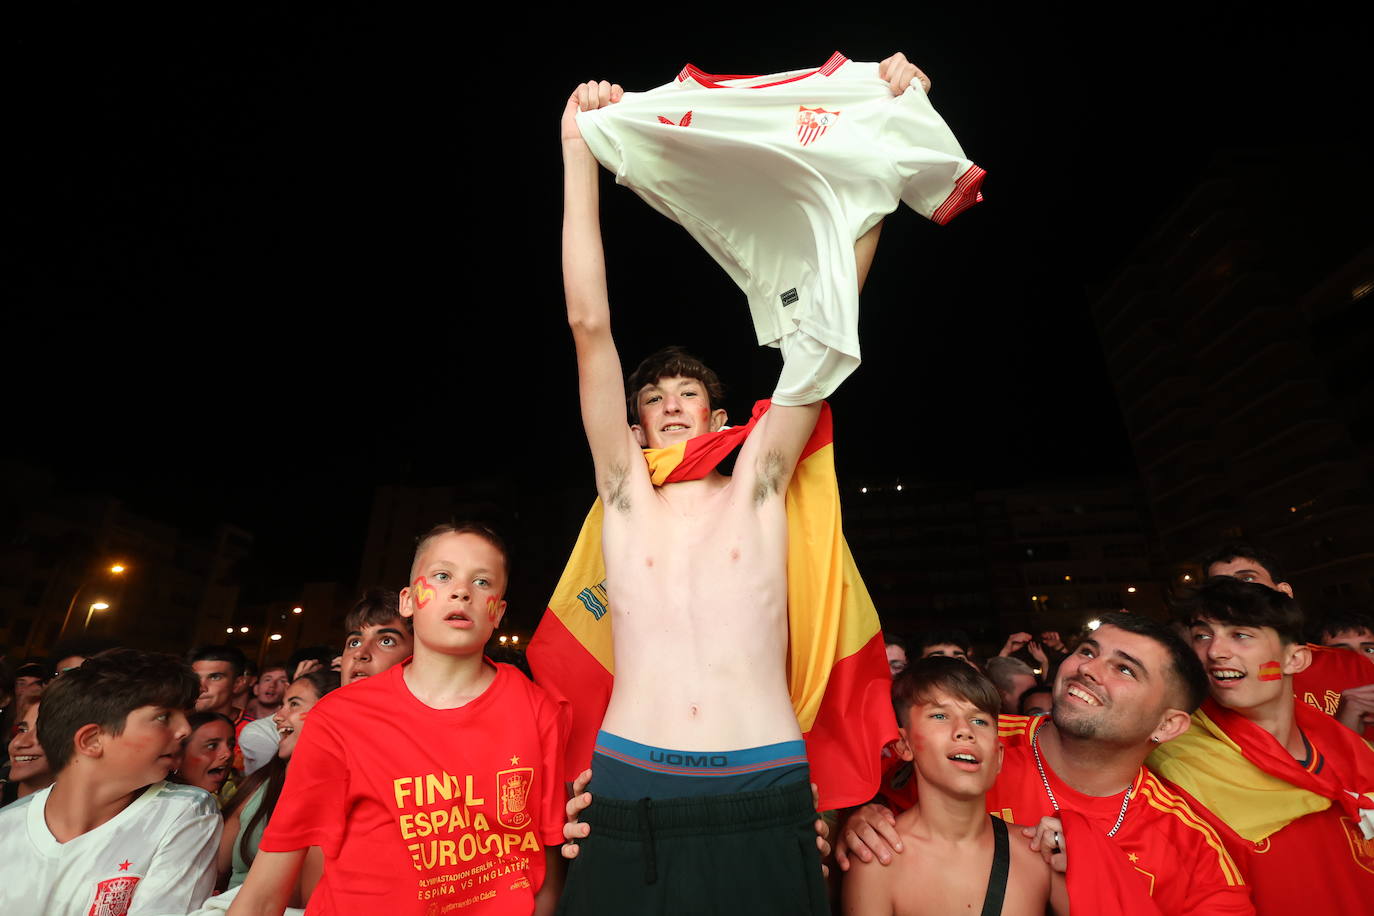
(701, 763)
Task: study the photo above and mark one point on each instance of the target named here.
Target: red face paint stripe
(1271, 671)
(423, 592)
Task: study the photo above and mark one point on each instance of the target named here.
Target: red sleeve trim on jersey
(1161, 799)
(712, 80)
(964, 195)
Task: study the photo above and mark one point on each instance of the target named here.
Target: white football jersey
(777, 176)
(157, 856)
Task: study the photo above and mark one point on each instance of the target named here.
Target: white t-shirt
(258, 744)
(777, 176)
(157, 856)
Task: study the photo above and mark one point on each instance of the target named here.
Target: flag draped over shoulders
(836, 668)
(1247, 779)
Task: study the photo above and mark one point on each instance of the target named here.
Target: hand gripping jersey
(777, 176)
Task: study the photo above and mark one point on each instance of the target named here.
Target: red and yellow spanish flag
(1246, 779)
(837, 668)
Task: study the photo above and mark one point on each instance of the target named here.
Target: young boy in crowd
(111, 836)
(221, 670)
(1333, 680)
(267, 693)
(1354, 632)
(430, 786)
(378, 637)
(1290, 791)
(955, 856)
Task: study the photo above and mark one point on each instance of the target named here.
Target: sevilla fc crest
(113, 896)
(513, 797)
(812, 123)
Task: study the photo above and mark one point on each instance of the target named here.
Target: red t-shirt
(1182, 863)
(422, 810)
(1332, 671)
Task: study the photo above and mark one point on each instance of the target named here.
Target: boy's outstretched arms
(600, 383)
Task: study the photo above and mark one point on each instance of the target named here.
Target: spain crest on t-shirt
(812, 123)
(113, 896)
(512, 797)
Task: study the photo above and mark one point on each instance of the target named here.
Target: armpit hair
(770, 474)
(618, 488)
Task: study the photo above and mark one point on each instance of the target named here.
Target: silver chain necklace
(1125, 802)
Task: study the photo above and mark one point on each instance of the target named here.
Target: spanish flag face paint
(1271, 671)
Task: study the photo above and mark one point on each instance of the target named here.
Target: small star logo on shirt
(514, 760)
(124, 866)
(1133, 857)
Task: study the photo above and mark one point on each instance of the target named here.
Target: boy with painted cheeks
(1290, 790)
(430, 786)
(956, 857)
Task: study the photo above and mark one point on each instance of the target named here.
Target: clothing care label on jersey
(777, 176)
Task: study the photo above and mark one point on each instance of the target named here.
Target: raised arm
(600, 384)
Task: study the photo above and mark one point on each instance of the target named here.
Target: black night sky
(269, 260)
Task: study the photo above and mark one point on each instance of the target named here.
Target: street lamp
(97, 606)
(503, 640)
(275, 636)
(229, 630)
(515, 639)
(296, 610)
(116, 569)
(243, 629)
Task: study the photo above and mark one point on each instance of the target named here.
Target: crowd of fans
(175, 771)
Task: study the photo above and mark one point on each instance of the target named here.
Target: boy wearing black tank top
(955, 857)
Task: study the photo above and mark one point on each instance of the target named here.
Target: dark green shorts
(753, 852)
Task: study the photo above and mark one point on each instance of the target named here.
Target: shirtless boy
(955, 857)
(696, 573)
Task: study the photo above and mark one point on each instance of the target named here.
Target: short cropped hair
(1335, 624)
(919, 681)
(1240, 550)
(230, 654)
(1190, 678)
(377, 606)
(1001, 669)
(944, 637)
(105, 690)
(1236, 603)
(667, 363)
(477, 528)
